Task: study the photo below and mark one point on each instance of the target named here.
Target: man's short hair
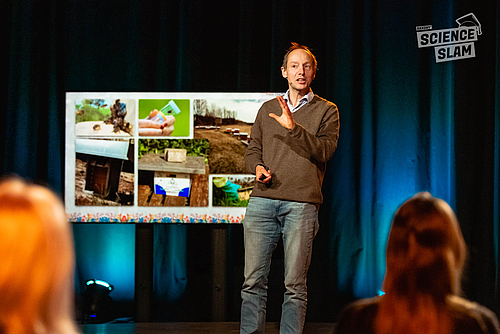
(296, 46)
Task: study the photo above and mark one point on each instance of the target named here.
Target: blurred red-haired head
(36, 261)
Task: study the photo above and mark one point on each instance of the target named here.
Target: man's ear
(283, 72)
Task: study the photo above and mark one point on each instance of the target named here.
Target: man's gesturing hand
(286, 118)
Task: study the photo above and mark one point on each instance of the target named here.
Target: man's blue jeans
(265, 221)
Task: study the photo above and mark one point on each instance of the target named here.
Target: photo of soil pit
(227, 125)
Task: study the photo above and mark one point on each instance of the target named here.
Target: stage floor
(193, 328)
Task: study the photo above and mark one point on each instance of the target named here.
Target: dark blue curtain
(407, 124)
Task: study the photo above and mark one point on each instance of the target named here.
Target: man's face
(299, 70)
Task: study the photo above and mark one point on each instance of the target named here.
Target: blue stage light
(97, 301)
(99, 282)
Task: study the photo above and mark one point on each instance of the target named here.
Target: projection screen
(158, 157)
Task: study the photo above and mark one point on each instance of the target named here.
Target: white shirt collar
(306, 99)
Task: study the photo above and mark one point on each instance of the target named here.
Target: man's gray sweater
(296, 158)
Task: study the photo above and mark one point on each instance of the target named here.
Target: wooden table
(157, 163)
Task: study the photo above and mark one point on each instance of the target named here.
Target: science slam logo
(454, 43)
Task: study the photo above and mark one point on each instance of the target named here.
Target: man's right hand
(262, 174)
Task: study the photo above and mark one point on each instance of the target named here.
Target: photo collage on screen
(153, 155)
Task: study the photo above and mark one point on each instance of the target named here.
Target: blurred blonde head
(36, 261)
(425, 257)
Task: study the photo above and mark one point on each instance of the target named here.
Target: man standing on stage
(288, 156)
